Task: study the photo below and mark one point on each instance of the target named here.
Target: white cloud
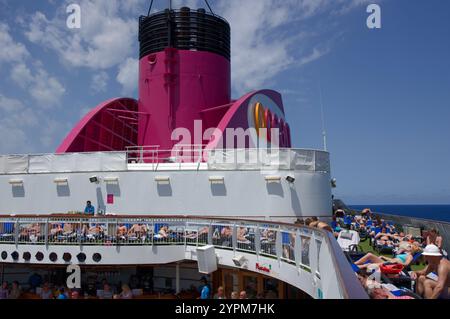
(43, 88)
(10, 51)
(10, 105)
(15, 119)
(315, 54)
(13, 138)
(128, 75)
(270, 36)
(99, 82)
(105, 39)
(265, 36)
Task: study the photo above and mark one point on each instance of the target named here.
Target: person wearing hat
(431, 288)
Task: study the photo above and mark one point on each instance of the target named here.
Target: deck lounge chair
(347, 239)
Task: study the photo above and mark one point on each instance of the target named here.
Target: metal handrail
(348, 283)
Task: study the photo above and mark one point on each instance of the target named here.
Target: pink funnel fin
(110, 126)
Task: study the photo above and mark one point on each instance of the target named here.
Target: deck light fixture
(240, 261)
(111, 180)
(15, 182)
(162, 179)
(217, 179)
(61, 181)
(290, 179)
(273, 179)
(94, 179)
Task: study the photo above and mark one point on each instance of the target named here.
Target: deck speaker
(207, 259)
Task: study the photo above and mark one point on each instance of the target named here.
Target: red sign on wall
(264, 268)
(110, 199)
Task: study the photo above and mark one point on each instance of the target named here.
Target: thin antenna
(324, 132)
(209, 7)
(150, 9)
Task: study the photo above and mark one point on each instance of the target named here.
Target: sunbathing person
(68, 229)
(164, 232)
(95, 230)
(241, 234)
(138, 230)
(202, 231)
(226, 232)
(267, 235)
(404, 258)
(384, 238)
(324, 226)
(34, 229)
(439, 287)
(122, 231)
(56, 229)
(376, 290)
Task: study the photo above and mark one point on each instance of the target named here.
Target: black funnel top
(184, 29)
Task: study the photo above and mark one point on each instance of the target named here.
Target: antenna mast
(324, 132)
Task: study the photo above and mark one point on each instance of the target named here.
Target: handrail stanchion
(210, 234)
(257, 241)
(234, 239)
(196, 239)
(154, 234)
(47, 225)
(297, 249)
(16, 232)
(279, 243)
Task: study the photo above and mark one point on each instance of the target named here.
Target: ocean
(434, 212)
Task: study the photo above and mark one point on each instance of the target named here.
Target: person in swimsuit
(404, 258)
(121, 231)
(438, 288)
(383, 238)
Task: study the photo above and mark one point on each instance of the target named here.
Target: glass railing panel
(7, 231)
(31, 231)
(196, 234)
(288, 245)
(222, 235)
(246, 236)
(268, 238)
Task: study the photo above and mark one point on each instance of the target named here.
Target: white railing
(152, 158)
(297, 246)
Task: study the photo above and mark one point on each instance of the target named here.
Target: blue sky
(386, 92)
